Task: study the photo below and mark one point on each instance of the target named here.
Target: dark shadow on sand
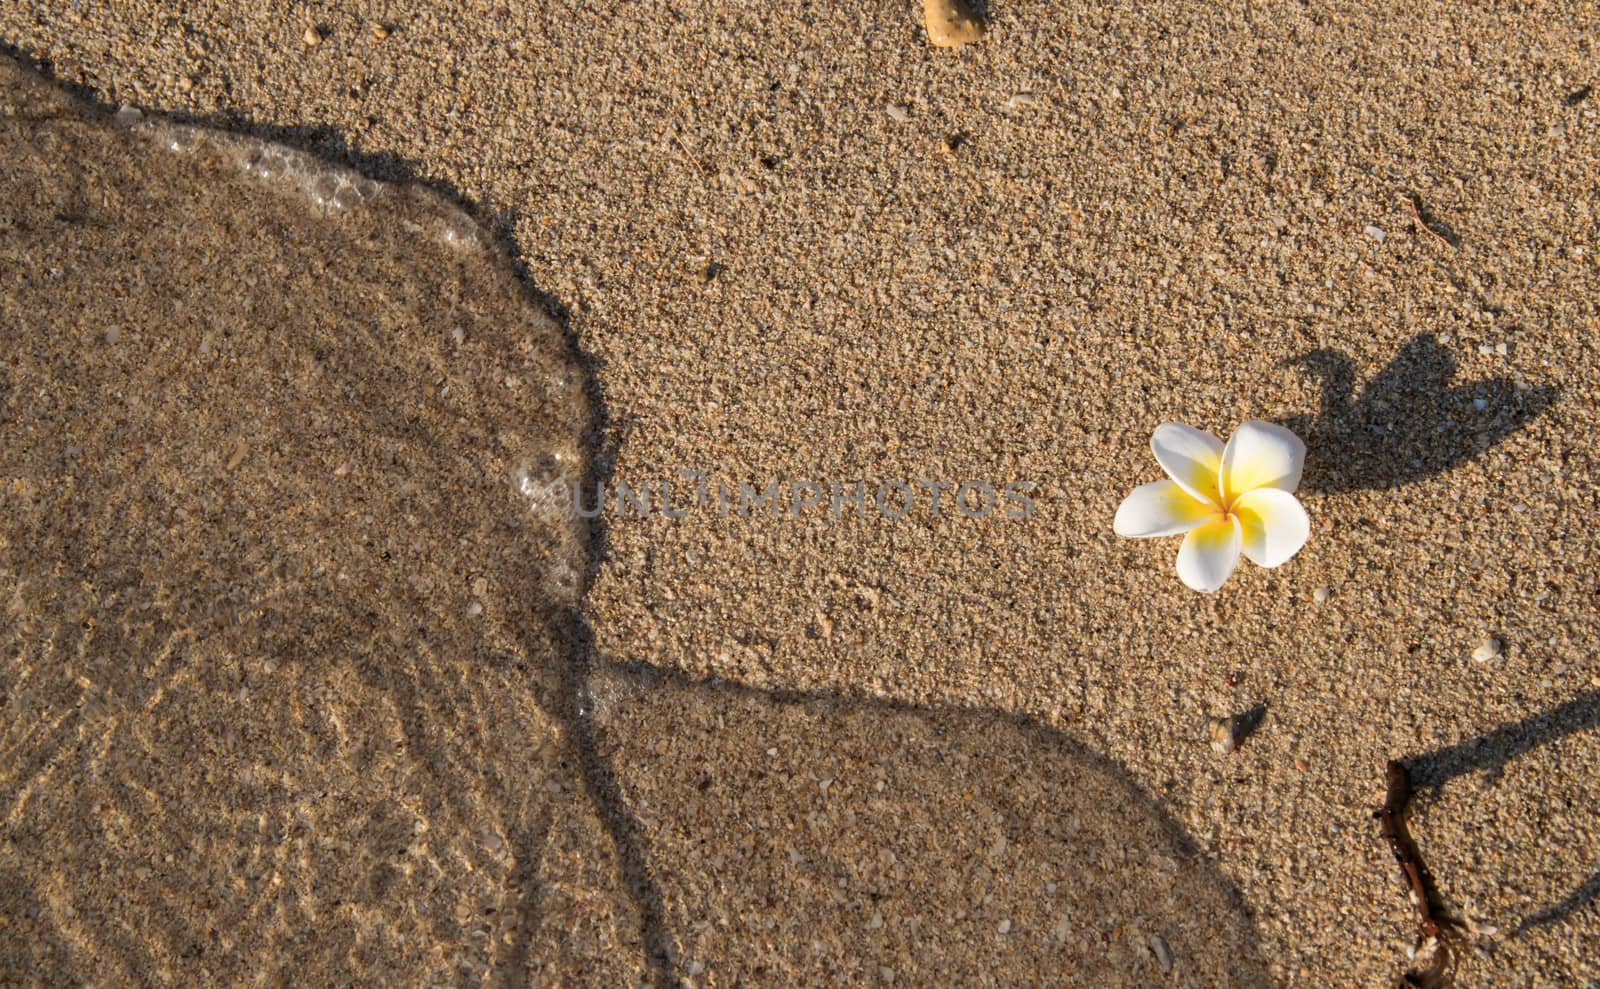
(1410, 422)
(1490, 752)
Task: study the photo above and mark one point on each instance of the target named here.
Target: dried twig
(1435, 932)
(1427, 222)
(688, 155)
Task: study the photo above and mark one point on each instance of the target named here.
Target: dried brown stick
(1431, 925)
(1419, 213)
(688, 155)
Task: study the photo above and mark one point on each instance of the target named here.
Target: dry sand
(800, 243)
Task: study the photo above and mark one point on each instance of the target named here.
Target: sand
(800, 244)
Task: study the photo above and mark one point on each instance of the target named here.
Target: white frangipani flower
(1229, 499)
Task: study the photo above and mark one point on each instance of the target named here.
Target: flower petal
(1261, 455)
(1273, 524)
(1161, 508)
(1209, 553)
(1190, 456)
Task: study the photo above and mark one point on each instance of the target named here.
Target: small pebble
(897, 112)
(1005, 926)
(379, 32)
(951, 23)
(1163, 952)
(1501, 349)
(772, 752)
(1321, 594)
(824, 625)
(1485, 350)
(1489, 648)
(1223, 738)
(1480, 404)
(1376, 233)
(312, 37)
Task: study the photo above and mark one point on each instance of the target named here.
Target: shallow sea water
(280, 645)
(292, 674)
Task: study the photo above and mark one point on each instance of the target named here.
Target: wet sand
(285, 653)
(801, 244)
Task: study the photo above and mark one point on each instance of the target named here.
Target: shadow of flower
(1409, 422)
